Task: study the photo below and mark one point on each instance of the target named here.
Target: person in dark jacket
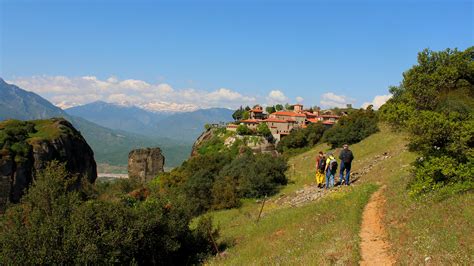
(346, 157)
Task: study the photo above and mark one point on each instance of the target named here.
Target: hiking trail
(374, 246)
(311, 192)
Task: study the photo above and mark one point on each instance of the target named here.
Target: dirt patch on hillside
(374, 246)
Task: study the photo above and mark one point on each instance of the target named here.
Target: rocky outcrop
(258, 144)
(205, 136)
(145, 164)
(28, 146)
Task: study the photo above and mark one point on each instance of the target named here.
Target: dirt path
(374, 247)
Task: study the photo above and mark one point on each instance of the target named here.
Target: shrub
(258, 175)
(244, 130)
(214, 145)
(263, 130)
(353, 128)
(225, 193)
(435, 104)
(302, 138)
(54, 225)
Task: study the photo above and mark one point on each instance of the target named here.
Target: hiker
(320, 167)
(331, 168)
(346, 157)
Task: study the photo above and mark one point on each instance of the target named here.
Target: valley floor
(305, 225)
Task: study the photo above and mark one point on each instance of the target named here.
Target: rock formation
(145, 164)
(258, 144)
(262, 145)
(205, 136)
(27, 146)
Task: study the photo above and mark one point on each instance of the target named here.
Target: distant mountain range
(114, 116)
(110, 145)
(179, 126)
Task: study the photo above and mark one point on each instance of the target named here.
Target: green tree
(237, 115)
(353, 128)
(270, 109)
(263, 130)
(302, 138)
(244, 130)
(245, 115)
(257, 175)
(56, 224)
(279, 107)
(435, 104)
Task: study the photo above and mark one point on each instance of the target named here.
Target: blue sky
(222, 52)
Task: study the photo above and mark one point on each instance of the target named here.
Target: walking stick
(261, 209)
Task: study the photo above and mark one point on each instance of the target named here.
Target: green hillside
(326, 230)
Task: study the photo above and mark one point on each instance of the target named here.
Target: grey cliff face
(145, 164)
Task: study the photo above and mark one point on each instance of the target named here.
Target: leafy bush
(244, 130)
(13, 136)
(54, 225)
(220, 180)
(435, 104)
(214, 145)
(302, 138)
(434, 173)
(256, 175)
(353, 128)
(263, 130)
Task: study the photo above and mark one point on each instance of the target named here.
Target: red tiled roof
(276, 120)
(288, 113)
(329, 122)
(232, 125)
(311, 114)
(313, 120)
(250, 121)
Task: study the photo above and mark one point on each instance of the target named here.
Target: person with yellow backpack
(320, 168)
(331, 168)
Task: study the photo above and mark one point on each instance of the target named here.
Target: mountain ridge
(181, 126)
(109, 146)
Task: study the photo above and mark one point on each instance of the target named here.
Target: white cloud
(299, 99)
(331, 99)
(378, 101)
(276, 96)
(228, 95)
(72, 91)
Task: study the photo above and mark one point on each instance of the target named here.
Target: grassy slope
(441, 232)
(326, 231)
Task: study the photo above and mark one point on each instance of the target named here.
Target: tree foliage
(352, 128)
(220, 180)
(279, 107)
(270, 109)
(302, 138)
(435, 104)
(58, 224)
(263, 130)
(243, 129)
